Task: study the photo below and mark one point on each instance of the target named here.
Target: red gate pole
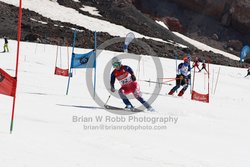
(17, 61)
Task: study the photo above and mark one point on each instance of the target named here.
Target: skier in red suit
(125, 75)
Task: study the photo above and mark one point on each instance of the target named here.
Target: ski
(174, 96)
(123, 109)
(178, 97)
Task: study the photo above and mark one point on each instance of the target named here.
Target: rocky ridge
(121, 12)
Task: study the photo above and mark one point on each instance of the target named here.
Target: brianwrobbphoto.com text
(130, 122)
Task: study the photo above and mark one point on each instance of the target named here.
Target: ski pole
(217, 80)
(108, 99)
(172, 80)
(164, 83)
(166, 78)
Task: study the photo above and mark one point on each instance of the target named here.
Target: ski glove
(133, 77)
(181, 77)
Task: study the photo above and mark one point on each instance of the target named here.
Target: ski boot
(128, 107)
(151, 109)
(181, 93)
(171, 92)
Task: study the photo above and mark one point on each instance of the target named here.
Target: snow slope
(205, 135)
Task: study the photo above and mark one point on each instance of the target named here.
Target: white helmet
(116, 60)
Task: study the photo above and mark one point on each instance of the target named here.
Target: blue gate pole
(95, 43)
(70, 74)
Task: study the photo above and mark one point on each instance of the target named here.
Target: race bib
(184, 70)
(125, 80)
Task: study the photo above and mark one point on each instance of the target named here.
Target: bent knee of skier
(121, 91)
(137, 94)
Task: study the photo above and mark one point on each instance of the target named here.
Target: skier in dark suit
(5, 46)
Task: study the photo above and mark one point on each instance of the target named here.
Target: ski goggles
(116, 64)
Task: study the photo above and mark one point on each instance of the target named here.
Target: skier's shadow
(76, 106)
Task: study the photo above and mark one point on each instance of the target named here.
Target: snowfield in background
(54, 11)
(45, 133)
(91, 10)
(205, 47)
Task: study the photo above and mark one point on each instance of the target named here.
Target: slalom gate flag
(7, 84)
(62, 72)
(86, 60)
(58, 70)
(200, 97)
(129, 38)
(245, 50)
